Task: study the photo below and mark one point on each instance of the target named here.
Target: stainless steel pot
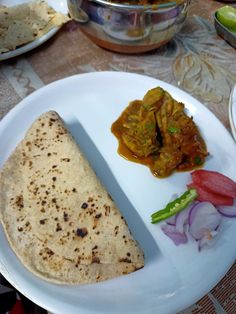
(128, 28)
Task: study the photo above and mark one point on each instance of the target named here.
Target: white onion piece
(207, 239)
(182, 218)
(171, 221)
(190, 212)
(203, 219)
(228, 211)
(174, 235)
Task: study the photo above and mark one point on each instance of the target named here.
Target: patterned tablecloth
(196, 60)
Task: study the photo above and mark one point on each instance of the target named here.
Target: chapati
(57, 216)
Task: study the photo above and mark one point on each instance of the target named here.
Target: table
(196, 60)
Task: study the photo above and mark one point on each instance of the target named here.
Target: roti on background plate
(58, 218)
(23, 23)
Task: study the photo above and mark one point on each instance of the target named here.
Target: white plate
(232, 111)
(60, 6)
(173, 277)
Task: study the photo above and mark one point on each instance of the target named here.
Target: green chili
(173, 129)
(175, 206)
(198, 160)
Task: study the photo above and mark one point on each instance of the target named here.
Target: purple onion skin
(223, 210)
(177, 237)
(170, 229)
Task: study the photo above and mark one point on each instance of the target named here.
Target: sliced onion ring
(227, 211)
(203, 218)
(182, 218)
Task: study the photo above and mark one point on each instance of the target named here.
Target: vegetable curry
(157, 132)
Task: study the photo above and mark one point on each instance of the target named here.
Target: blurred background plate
(60, 6)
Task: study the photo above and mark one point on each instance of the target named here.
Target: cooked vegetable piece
(136, 129)
(206, 196)
(152, 100)
(175, 206)
(214, 182)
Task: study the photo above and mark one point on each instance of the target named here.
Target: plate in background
(60, 6)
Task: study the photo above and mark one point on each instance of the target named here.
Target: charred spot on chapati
(97, 216)
(65, 216)
(81, 232)
(125, 260)
(84, 205)
(19, 201)
(58, 227)
(95, 259)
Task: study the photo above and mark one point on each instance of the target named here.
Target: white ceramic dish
(232, 111)
(60, 6)
(173, 277)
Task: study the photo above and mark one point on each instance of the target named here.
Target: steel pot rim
(151, 7)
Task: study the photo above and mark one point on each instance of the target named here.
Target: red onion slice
(182, 219)
(192, 213)
(177, 237)
(228, 211)
(203, 219)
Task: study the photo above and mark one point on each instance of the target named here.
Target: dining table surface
(196, 60)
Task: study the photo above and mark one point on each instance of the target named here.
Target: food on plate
(214, 187)
(214, 182)
(173, 207)
(216, 199)
(21, 24)
(157, 132)
(201, 216)
(57, 217)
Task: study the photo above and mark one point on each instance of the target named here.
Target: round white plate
(173, 277)
(60, 6)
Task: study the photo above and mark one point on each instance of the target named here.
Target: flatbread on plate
(58, 218)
